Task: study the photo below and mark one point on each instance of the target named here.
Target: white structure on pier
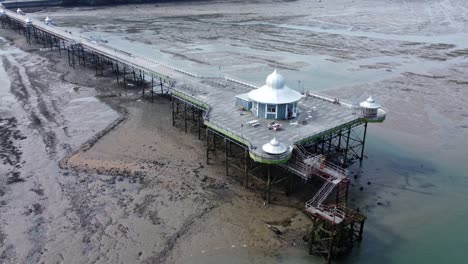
(274, 100)
(48, 20)
(369, 107)
(274, 147)
(28, 22)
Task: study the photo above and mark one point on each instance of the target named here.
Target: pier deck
(318, 116)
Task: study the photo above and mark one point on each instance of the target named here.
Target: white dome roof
(274, 147)
(369, 104)
(275, 80)
(18, 10)
(274, 91)
(28, 20)
(47, 19)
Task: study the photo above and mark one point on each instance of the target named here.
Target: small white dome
(18, 10)
(28, 21)
(369, 104)
(274, 147)
(275, 80)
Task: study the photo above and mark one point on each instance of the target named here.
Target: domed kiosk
(369, 107)
(274, 100)
(372, 111)
(274, 147)
(48, 20)
(28, 22)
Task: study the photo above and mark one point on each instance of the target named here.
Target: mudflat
(93, 173)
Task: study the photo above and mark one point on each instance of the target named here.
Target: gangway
(308, 165)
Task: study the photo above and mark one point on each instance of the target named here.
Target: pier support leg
(72, 56)
(323, 144)
(339, 140)
(246, 168)
(361, 230)
(330, 248)
(68, 52)
(173, 111)
(125, 77)
(185, 116)
(226, 159)
(363, 143)
(161, 84)
(82, 54)
(199, 123)
(268, 189)
(345, 161)
(152, 87)
(117, 71)
(207, 147)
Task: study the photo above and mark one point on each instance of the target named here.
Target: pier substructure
(187, 115)
(236, 156)
(335, 236)
(150, 83)
(342, 146)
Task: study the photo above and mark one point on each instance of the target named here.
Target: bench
(253, 123)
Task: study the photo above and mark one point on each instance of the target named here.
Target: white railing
(241, 82)
(99, 46)
(333, 100)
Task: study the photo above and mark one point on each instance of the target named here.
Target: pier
(316, 138)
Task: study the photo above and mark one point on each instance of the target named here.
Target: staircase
(334, 176)
(307, 165)
(322, 194)
(331, 213)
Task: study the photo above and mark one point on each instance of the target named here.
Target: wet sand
(410, 55)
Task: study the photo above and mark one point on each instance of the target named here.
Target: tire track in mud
(21, 88)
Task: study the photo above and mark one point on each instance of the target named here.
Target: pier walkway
(319, 115)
